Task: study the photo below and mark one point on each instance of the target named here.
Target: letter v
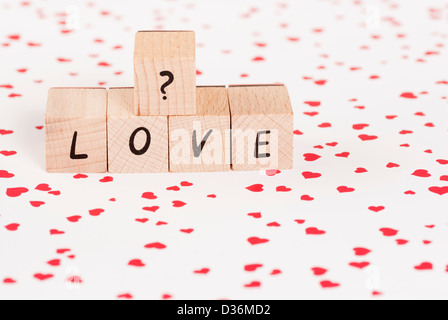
(196, 148)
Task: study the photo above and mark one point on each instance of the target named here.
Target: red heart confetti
(255, 240)
(16, 192)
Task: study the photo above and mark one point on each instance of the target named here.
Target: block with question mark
(136, 144)
(164, 73)
(262, 127)
(201, 142)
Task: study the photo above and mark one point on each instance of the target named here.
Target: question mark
(166, 84)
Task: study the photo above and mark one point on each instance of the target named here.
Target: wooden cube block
(262, 127)
(137, 144)
(201, 142)
(76, 130)
(165, 73)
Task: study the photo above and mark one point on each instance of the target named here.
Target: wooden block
(201, 142)
(165, 73)
(136, 144)
(262, 127)
(76, 130)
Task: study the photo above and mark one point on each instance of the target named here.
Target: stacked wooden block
(165, 123)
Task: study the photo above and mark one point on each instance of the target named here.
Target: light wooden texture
(254, 110)
(158, 51)
(212, 114)
(121, 123)
(81, 110)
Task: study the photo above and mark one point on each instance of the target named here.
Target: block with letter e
(165, 73)
(201, 142)
(75, 134)
(262, 127)
(137, 144)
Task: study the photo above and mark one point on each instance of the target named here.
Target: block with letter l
(262, 127)
(75, 133)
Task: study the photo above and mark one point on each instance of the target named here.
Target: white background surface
(404, 43)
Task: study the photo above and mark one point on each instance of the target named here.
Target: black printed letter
(73, 154)
(198, 149)
(263, 143)
(145, 147)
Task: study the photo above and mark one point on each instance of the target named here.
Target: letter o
(145, 147)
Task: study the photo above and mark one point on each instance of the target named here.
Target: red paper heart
(273, 224)
(376, 209)
(6, 174)
(149, 196)
(136, 263)
(178, 204)
(271, 173)
(202, 271)
(43, 187)
(283, 189)
(96, 212)
(74, 218)
(408, 95)
(314, 231)
(125, 296)
(342, 154)
(12, 227)
(256, 215)
(151, 209)
(80, 176)
(255, 240)
(328, 284)
(319, 271)
(9, 281)
(361, 251)
(37, 204)
(424, 266)
(344, 189)
(388, 232)
(43, 277)
(16, 192)
(8, 153)
(359, 265)
(311, 157)
(54, 263)
(313, 103)
(5, 132)
(392, 165)
(255, 188)
(253, 284)
(439, 190)
(311, 175)
(155, 245)
(56, 232)
(306, 197)
(366, 137)
(360, 126)
(107, 179)
(252, 267)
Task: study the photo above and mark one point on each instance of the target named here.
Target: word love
(165, 123)
(240, 128)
